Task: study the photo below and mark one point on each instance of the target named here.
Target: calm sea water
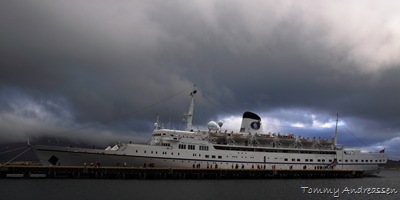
(69, 189)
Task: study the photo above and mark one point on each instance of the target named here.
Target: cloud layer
(69, 64)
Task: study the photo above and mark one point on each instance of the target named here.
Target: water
(70, 189)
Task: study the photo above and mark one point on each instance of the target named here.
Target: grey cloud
(100, 59)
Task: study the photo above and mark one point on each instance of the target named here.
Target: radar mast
(189, 115)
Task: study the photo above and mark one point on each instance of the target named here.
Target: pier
(80, 172)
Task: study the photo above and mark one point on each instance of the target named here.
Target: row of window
(230, 148)
(156, 152)
(363, 160)
(323, 160)
(203, 148)
(192, 147)
(213, 156)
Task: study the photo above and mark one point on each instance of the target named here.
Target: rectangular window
(212, 156)
(203, 148)
(207, 156)
(219, 157)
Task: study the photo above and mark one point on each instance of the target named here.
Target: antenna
(335, 137)
(156, 125)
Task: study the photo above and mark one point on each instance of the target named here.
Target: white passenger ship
(250, 148)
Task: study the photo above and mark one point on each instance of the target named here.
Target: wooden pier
(78, 172)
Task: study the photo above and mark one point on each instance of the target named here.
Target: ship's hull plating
(79, 157)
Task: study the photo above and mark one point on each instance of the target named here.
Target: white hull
(159, 156)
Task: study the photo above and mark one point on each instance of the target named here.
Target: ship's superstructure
(250, 148)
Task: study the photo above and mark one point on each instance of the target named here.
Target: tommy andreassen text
(336, 192)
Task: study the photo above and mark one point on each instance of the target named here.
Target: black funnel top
(251, 115)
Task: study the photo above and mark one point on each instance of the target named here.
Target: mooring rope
(12, 150)
(17, 156)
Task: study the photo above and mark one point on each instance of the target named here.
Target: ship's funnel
(251, 123)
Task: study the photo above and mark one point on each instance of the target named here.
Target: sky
(99, 71)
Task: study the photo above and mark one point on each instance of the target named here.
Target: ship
(215, 148)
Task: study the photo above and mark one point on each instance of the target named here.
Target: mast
(335, 137)
(189, 115)
(156, 125)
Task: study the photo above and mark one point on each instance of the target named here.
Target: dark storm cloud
(97, 60)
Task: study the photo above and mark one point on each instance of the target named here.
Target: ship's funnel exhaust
(251, 123)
